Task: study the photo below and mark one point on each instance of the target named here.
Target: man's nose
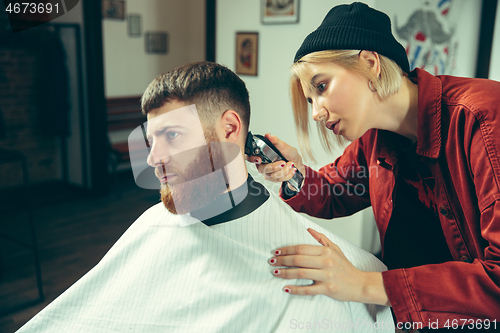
(158, 156)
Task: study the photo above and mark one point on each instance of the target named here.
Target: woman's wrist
(373, 289)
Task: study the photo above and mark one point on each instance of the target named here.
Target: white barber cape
(170, 274)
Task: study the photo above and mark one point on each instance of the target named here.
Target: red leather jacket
(459, 136)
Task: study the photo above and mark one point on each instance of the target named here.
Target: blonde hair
(387, 84)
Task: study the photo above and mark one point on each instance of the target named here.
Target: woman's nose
(318, 113)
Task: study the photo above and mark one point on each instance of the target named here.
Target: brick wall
(18, 103)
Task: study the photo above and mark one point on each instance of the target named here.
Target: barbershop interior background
(70, 95)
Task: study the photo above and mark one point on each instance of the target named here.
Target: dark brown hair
(213, 88)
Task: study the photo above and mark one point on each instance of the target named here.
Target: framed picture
(247, 44)
(156, 42)
(279, 11)
(113, 9)
(134, 25)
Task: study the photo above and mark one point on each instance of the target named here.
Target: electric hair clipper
(260, 146)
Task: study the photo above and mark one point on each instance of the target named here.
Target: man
(197, 261)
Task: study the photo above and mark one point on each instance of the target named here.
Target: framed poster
(113, 9)
(134, 25)
(279, 11)
(246, 52)
(156, 42)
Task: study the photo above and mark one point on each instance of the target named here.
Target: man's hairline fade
(168, 87)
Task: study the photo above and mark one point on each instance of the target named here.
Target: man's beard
(197, 185)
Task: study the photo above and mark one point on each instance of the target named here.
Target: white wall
(495, 51)
(269, 97)
(128, 68)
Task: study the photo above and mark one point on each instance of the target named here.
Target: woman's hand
(332, 273)
(279, 171)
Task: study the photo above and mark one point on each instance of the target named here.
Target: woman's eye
(309, 100)
(321, 87)
(171, 135)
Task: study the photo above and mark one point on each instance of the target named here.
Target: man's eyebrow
(164, 129)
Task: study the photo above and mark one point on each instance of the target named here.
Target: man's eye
(171, 135)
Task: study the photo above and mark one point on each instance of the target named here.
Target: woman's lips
(334, 126)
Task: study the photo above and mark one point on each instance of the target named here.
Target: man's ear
(372, 61)
(230, 126)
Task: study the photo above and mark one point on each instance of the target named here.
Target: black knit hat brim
(355, 27)
(351, 38)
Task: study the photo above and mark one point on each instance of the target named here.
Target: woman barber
(426, 149)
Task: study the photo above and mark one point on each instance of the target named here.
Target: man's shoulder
(155, 211)
(158, 208)
(155, 214)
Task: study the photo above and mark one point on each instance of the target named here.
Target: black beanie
(355, 27)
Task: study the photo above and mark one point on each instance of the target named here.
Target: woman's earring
(370, 85)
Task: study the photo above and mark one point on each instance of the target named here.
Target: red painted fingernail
(257, 161)
(287, 290)
(277, 252)
(294, 171)
(272, 261)
(292, 165)
(282, 165)
(277, 272)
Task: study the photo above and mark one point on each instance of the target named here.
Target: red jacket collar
(429, 113)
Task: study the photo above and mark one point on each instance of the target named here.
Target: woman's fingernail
(292, 165)
(276, 272)
(277, 252)
(287, 290)
(272, 261)
(256, 161)
(294, 171)
(282, 165)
